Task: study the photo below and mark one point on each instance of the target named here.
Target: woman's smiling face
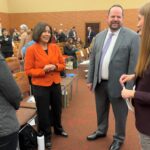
(45, 36)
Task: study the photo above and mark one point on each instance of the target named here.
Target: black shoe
(62, 133)
(116, 145)
(48, 143)
(95, 136)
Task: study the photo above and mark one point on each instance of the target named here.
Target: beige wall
(3, 6)
(22, 6)
(67, 12)
(65, 20)
(4, 20)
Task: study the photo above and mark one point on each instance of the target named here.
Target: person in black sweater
(6, 44)
(141, 94)
(61, 37)
(70, 50)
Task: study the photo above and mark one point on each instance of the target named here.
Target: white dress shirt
(106, 61)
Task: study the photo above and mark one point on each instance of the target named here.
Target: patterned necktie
(104, 50)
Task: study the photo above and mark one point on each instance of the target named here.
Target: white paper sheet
(129, 103)
(31, 99)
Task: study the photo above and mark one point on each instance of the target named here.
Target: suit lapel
(118, 43)
(100, 42)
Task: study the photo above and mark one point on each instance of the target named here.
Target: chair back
(16, 48)
(13, 64)
(79, 56)
(23, 82)
(85, 54)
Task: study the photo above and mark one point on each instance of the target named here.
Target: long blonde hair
(144, 56)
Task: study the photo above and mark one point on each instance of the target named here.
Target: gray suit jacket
(123, 59)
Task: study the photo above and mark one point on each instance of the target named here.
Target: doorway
(95, 27)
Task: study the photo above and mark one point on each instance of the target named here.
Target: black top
(6, 44)
(142, 103)
(46, 51)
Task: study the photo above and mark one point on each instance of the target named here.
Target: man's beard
(114, 28)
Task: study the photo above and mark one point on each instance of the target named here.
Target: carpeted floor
(79, 120)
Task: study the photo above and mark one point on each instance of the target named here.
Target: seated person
(70, 50)
(16, 35)
(61, 37)
(79, 43)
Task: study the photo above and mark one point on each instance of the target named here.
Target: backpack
(28, 138)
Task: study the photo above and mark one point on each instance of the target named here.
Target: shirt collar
(115, 33)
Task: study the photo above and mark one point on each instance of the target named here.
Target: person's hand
(125, 78)
(50, 67)
(89, 85)
(125, 93)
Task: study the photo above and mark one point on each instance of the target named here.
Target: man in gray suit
(114, 52)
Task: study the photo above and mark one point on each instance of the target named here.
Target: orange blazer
(35, 60)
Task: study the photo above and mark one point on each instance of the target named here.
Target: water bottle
(40, 141)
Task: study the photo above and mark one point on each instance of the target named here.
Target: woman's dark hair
(39, 29)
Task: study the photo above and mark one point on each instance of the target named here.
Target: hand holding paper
(126, 95)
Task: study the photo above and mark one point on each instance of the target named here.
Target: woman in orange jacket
(43, 62)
